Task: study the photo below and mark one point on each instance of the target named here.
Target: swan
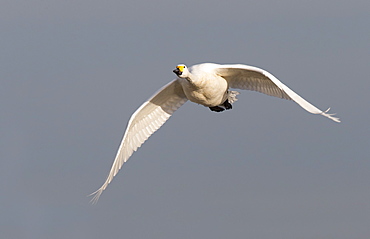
(206, 84)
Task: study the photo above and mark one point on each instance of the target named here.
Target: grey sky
(73, 72)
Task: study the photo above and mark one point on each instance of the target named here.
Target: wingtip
(330, 116)
(95, 196)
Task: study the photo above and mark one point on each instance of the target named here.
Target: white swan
(206, 84)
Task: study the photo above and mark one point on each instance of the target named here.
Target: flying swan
(206, 84)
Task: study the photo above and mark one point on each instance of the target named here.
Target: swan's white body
(207, 84)
(203, 86)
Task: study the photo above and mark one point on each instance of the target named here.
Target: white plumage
(207, 84)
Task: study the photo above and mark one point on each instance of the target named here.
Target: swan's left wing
(147, 119)
(253, 78)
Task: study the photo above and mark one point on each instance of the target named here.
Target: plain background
(73, 72)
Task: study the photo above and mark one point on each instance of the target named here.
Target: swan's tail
(231, 97)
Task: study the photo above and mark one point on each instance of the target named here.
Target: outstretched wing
(147, 119)
(253, 78)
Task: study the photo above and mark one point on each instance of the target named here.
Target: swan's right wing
(143, 123)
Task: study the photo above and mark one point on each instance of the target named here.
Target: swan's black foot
(217, 108)
(227, 105)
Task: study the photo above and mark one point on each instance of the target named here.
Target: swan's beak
(177, 71)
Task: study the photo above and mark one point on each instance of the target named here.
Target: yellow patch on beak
(181, 68)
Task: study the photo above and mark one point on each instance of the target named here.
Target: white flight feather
(147, 119)
(253, 78)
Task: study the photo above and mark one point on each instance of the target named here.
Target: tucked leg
(227, 105)
(217, 108)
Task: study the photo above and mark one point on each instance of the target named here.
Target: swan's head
(181, 71)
